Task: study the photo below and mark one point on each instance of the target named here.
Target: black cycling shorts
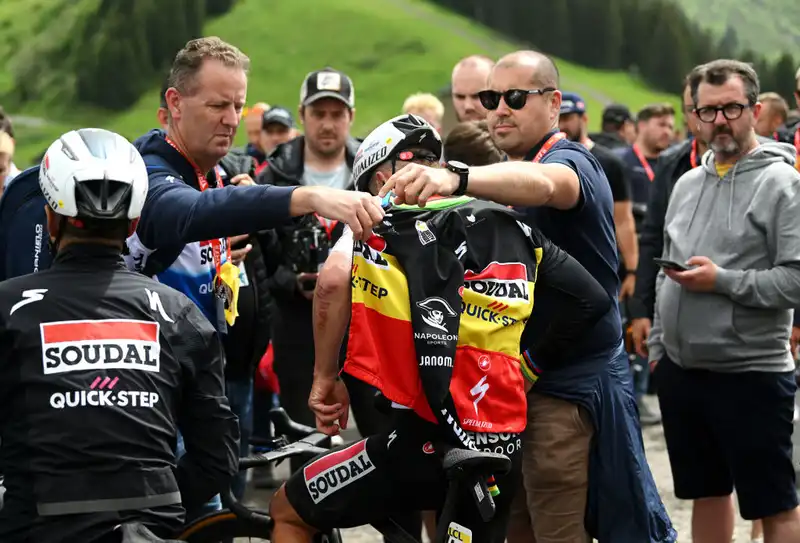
(394, 472)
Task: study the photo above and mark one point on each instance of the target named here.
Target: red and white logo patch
(335, 471)
(428, 448)
(484, 362)
(99, 345)
(506, 281)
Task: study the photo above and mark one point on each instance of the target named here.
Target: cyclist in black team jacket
(100, 366)
(437, 301)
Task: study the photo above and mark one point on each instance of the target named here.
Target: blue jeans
(215, 504)
(240, 397)
(639, 366)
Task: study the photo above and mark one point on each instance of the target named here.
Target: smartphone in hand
(671, 265)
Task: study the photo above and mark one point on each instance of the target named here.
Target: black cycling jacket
(99, 368)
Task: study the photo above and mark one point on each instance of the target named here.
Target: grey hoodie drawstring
(730, 200)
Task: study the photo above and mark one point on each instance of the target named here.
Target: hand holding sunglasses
(515, 98)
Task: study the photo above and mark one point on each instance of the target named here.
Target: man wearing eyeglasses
(720, 336)
(585, 409)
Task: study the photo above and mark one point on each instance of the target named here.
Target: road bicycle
(466, 471)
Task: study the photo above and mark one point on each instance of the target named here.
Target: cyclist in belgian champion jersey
(439, 298)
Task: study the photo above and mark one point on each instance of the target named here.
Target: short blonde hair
(424, 101)
(776, 101)
(6, 144)
(190, 59)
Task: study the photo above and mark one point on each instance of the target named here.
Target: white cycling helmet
(385, 142)
(94, 174)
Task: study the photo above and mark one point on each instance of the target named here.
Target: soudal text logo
(102, 344)
(502, 281)
(335, 471)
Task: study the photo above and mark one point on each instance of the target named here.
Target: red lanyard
(693, 156)
(646, 165)
(797, 141)
(216, 244)
(555, 138)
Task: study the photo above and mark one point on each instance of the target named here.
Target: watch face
(456, 165)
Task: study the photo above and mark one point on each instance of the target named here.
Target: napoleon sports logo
(100, 344)
(507, 282)
(335, 471)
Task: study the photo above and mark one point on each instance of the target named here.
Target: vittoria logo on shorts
(335, 471)
(503, 281)
(102, 344)
(457, 533)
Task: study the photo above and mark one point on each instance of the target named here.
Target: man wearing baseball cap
(277, 126)
(324, 155)
(618, 127)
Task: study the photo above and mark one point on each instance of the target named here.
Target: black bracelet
(630, 272)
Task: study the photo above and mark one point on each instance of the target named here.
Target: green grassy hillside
(391, 48)
(769, 27)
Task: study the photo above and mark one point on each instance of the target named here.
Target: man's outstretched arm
(525, 184)
(175, 213)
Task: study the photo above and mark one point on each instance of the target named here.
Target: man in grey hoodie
(720, 337)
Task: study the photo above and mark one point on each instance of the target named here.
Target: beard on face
(730, 147)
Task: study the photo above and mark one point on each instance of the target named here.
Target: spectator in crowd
(720, 337)
(584, 466)
(774, 110)
(790, 132)
(277, 126)
(654, 127)
(252, 123)
(618, 128)
(673, 163)
(427, 106)
(6, 155)
(7, 128)
(183, 234)
(471, 142)
(324, 156)
(574, 122)
(468, 79)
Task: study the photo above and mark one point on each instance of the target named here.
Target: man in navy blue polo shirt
(583, 439)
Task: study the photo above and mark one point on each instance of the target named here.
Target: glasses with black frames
(731, 112)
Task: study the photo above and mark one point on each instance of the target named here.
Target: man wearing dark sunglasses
(720, 336)
(586, 408)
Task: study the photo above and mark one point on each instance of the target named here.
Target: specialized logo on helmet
(507, 282)
(376, 149)
(70, 346)
(370, 161)
(435, 310)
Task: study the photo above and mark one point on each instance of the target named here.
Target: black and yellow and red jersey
(440, 298)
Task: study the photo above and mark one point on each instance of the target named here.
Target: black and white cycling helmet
(392, 137)
(94, 174)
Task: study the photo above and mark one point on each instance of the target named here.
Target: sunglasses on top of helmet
(515, 98)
